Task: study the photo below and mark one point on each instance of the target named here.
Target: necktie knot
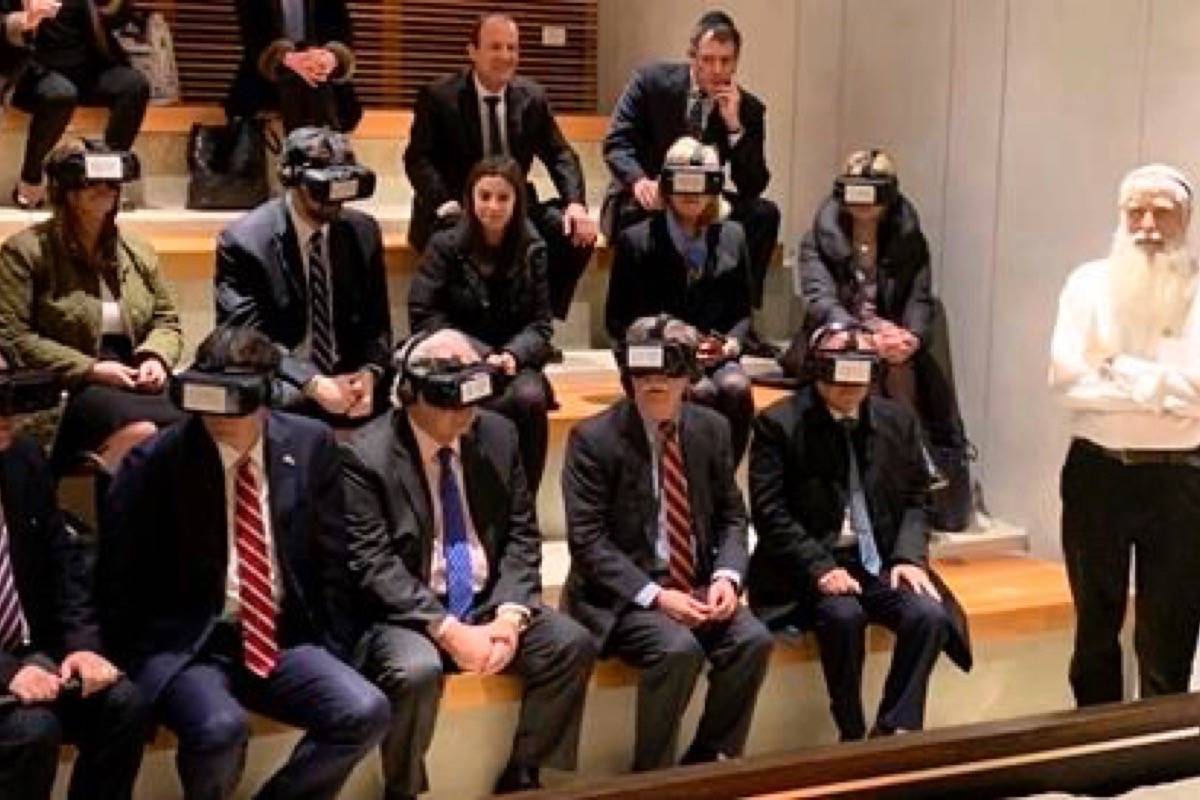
(492, 100)
(445, 457)
(667, 430)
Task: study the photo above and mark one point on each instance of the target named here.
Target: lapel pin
(287, 459)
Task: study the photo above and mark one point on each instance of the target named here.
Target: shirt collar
(428, 447)
(304, 229)
(230, 457)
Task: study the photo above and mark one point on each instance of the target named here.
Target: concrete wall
(1012, 122)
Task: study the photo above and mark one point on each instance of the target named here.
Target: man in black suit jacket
(49, 642)
(453, 128)
(699, 98)
(446, 552)
(222, 580)
(297, 56)
(664, 610)
(266, 279)
(838, 491)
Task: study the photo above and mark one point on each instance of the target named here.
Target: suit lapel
(279, 460)
(514, 104)
(677, 106)
(468, 111)
(412, 478)
(288, 276)
(482, 488)
(638, 463)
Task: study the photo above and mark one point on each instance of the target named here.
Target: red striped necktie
(256, 585)
(681, 568)
(14, 630)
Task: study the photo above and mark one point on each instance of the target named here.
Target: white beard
(1150, 293)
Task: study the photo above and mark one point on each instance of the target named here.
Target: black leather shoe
(517, 778)
(698, 755)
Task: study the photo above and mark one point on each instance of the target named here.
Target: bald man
(1125, 359)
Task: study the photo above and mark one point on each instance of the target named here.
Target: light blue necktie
(457, 550)
(860, 518)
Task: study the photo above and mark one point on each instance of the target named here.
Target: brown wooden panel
(401, 45)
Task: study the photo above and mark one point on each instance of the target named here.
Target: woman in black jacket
(487, 277)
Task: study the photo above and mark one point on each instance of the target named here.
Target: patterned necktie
(14, 630)
(460, 593)
(495, 140)
(324, 347)
(860, 517)
(256, 587)
(681, 567)
(695, 118)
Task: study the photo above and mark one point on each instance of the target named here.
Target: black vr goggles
(448, 383)
(692, 179)
(336, 184)
(859, 190)
(27, 391)
(224, 394)
(79, 170)
(672, 359)
(848, 365)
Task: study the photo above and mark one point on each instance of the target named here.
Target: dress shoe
(879, 731)
(517, 778)
(698, 755)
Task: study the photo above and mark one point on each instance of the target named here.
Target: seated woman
(297, 58)
(77, 59)
(487, 277)
(79, 297)
(686, 262)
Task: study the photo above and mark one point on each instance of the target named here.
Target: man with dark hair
(699, 98)
(657, 531)
(309, 274)
(223, 585)
(488, 109)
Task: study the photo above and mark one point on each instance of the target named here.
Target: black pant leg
(739, 650)
(527, 401)
(125, 92)
(566, 261)
(840, 625)
(30, 737)
(50, 97)
(302, 105)
(760, 218)
(728, 390)
(110, 731)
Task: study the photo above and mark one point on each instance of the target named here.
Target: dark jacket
(446, 140)
(612, 509)
(15, 49)
(649, 276)
(79, 39)
(164, 547)
(509, 312)
(49, 568)
(799, 465)
(260, 283)
(652, 113)
(391, 527)
(327, 24)
(827, 280)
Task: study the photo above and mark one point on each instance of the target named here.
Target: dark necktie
(860, 517)
(455, 546)
(14, 630)
(256, 586)
(695, 118)
(681, 566)
(324, 346)
(495, 141)
(293, 19)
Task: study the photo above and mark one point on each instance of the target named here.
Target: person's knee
(926, 617)
(363, 713)
(134, 86)
(733, 384)
(574, 645)
(842, 615)
(704, 392)
(680, 650)
(56, 94)
(757, 642)
(126, 708)
(416, 677)
(40, 731)
(222, 730)
(530, 395)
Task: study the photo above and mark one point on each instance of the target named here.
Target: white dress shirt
(1117, 400)
(230, 459)
(484, 115)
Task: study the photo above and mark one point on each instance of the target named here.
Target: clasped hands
(719, 603)
(148, 376)
(34, 683)
(485, 649)
(350, 395)
(314, 65)
(895, 344)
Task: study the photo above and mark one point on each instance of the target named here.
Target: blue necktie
(455, 547)
(860, 518)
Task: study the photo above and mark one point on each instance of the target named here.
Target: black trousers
(51, 98)
(302, 105)
(527, 401)
(727, 389)
(109, 729)
(1110, 513)
(670, 657)
(840, 623)
(566, 260)
(554, 661)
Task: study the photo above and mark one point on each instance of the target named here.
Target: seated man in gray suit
(657, 530)
(446, 553)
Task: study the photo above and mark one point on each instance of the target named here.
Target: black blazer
(260, 283)
(50, 569)
(612, 511)
(649, 276)
(13, 58)
(446, 140)
(326, 23)
(164, 546)
(511, 312)
(652, 113)
(391, 529)
(799, 465)
(78, 38)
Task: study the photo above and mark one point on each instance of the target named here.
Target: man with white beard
(1125, 358)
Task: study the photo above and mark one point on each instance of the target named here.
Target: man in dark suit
(297, 56)
(698, 98)
(309, 274)
(446, 552)
(222, 580)
(490, 110)
(838, 491)
(54, 684)
(657, 530)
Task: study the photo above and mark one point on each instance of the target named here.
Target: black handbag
(228, 165)
(954, 501)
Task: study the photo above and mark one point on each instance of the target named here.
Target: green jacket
(50, 305)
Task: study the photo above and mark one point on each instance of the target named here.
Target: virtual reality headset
(448, 383)
(223, 394)
(857, 190)
(673, 359)
(692, 179)
(844, 368)
(336, 184)
(79, 170)
(27, 391)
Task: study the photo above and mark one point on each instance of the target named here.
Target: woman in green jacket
(82, 299)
